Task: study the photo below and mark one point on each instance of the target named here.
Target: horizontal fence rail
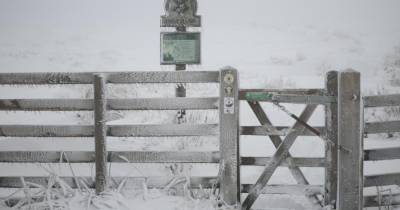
(280, 131)
(382, 179)
(120, 156)
(382, 154)
(382, 127)
(288, 98)
(382, 100)
(113, 130)
(112, 104)
(112, 77)
(316, 91)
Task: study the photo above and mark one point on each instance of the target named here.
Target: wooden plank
(382, 179)
(165, 77)
(46, 104)
(382, 200)
(288, 98)
(113, 77)
(47, 130)
(117, 170)
(46, 78)
(113, 130)
(112, 104)
(331, 149)
(321, 92)
(382, 127)
(303, 99)
(300, 162)
(229, 137)
(279, 131)
(350, 167)
(299, 189)
(164, 130)
(120, 156)
(382, 100)
(382, 154)
(277, 158)
(277, 141)
(131, 182)
(100, 132)
(164, 103)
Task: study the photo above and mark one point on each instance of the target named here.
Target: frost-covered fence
(73, 167)
(382, 154)
(282, 157)
(340, 134)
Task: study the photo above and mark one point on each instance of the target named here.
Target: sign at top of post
(180, 48)
(180, 13)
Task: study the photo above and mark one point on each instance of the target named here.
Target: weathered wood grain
(382, 200)
(229, 137)
(279, 131)
(300, 162)
(164, 130)
(321, 92)
(382, 179)
(382, 154)
(277, 141)
(165, 157)
(113, 130)
(331, 132)
(350, 167)
(277, 158)
(47, 130)
(112, 104)
(120, 156)
(113, 77)
(382, 100)
(100, 132)
(382, 127)
(288, 98)
(131, 182)
(288, 189)
(117, 170)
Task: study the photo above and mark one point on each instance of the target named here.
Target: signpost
(180, 48)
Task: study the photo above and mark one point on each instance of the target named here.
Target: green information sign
(180, 48)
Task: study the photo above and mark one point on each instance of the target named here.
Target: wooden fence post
(100, 131)
(229, 137)
(350, 142)
(331, 149)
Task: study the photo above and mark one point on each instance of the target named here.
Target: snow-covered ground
(288, 44)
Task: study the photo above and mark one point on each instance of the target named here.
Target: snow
(273, 44)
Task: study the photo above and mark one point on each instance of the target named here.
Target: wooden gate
(342, 136)
(74, 167)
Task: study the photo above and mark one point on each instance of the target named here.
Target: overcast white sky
(305, 36)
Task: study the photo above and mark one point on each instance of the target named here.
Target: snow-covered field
(273, 44)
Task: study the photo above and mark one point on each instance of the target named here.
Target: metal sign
(180, 48)
(180, 13)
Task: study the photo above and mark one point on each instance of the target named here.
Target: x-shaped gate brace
(282, 153)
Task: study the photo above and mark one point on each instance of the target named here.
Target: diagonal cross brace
(276, 160)
(276, 140)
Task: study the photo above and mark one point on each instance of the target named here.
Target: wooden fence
(389, 153)
(342, 135)
(61, 161)
(341, 99)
